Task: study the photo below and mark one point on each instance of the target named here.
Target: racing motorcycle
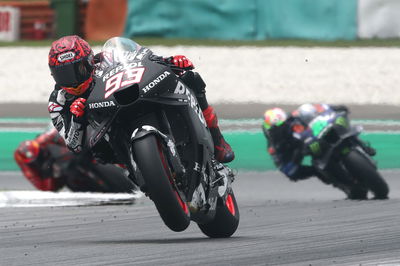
(144, 116)
(340, 156)
(81, 174)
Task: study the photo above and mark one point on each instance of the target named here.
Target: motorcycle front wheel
(156, 172)
(226, 219)
(361, 168)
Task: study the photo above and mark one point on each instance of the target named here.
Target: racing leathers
(72, 125)
(35, 170)
(286, 151)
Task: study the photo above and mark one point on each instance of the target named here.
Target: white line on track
(22, 198)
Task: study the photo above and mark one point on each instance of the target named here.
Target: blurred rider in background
(31, 156)
(72, 64)
(49, 165)
(285, 150)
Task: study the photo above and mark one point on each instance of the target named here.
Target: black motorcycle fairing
(342, 137)
(179, 99)
(145, 97)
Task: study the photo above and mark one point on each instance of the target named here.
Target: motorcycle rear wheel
(362, 169)
(343, 180)
(154, 167)
(114, 179)
(226, 219)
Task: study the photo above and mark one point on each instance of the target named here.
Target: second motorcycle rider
(72, 64)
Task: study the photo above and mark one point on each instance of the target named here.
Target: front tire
(154, 167)
(361, 168)
(226, 219)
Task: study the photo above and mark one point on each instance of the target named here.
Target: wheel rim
(183, 204)
(230, 204)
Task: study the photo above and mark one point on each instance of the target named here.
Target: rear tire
(115, 179)
(226, 219)
(361, 168)
(99, 178)
(342, 179)
(156, 173)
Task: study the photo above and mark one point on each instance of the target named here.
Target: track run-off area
(282, 223)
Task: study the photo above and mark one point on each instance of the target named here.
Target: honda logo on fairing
(66, 56)
(101, 104)
(156, 81)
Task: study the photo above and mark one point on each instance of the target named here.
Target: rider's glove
(182, 62)
(77, 108)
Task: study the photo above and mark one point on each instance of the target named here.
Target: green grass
(263, 43)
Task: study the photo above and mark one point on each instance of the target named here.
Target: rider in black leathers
(286, 151)
(72, 64)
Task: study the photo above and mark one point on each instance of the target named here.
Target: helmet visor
(82, 88)
(71, 75)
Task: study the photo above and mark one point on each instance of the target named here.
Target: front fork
(216, 185)
(173, 156)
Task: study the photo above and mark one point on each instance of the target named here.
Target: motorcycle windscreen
(119, 50)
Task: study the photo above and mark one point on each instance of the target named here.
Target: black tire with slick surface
(362, 169)
(224, 223)
(150, 158)
(344, 181)
(114, 178)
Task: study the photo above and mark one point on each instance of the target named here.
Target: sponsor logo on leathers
(74, 139)
(54, 107)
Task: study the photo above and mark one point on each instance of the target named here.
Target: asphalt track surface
(282, 223)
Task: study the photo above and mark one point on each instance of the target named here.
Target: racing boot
(222, 150)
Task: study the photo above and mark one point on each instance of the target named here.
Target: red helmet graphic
(71, 64)
(27, 151)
